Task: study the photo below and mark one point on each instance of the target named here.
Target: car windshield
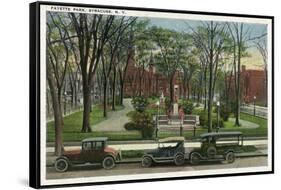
(165, 145)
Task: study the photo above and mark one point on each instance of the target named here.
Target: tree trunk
(105, 98)
(113, 89)
(210, 102)
(58, 117)
(87, 108)
(171, 89)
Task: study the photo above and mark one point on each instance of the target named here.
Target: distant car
(214, 150)
(94, 151)
(170, 149)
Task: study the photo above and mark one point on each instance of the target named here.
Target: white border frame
(44, 8)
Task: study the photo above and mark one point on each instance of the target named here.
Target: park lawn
(73, 125)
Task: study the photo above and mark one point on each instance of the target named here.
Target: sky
(253, 62)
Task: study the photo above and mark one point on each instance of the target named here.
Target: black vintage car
(170, 149)
(220, 146)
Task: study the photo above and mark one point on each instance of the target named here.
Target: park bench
(175, 123)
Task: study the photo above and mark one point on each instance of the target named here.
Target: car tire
(61, 165)
(195, 158)
(146, 162)
(211, 152)
(179, 159)
(230, 157)
(108, 163)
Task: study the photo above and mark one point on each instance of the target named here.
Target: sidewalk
(154, 144)
(117, 119)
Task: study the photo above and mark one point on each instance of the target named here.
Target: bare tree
(57, 62)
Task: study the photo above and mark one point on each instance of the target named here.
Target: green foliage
(215, 123)
(187, 106)
(224, 111)
(203, 118)
(130, 126)
(141, 121)
(139, 103)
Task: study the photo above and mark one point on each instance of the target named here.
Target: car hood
(110, 150)
(72, 152)
(152, 152)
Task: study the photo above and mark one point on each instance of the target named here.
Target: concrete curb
(78, 143)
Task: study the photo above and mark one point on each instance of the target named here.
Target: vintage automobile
(170, 149)
(220, 146)
(93, 151)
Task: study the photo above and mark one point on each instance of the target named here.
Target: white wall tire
(108, 163)
(61, 165)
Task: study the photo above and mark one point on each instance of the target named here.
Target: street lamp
(255, 105)
(218, 115)
(157, 103)
(64, 109)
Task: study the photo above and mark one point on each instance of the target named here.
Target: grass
(73, 125)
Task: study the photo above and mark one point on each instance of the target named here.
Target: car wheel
(146, 162)
(195, 158)
(211, 152)
(61, 165)
(230, 157)
(179, 159)
(108, 163)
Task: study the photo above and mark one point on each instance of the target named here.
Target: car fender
(195, 152)
(111, 155)
(64, 157)
(148, 155)
(229, 150)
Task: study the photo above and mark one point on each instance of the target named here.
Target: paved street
(135, 168)
(260, 111)
(116, 120)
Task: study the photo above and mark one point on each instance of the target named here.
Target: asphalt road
(135, 168)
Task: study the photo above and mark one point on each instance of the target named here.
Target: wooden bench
(175, 123)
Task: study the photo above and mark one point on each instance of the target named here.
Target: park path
(116, 119)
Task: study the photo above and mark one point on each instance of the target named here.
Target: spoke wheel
(230, 157)
(61, 165)
(146, 162)
(195, 158)
(179, 159)
(108, 163)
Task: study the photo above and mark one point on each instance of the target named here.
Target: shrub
(141, 121)
(224, 112)
(187, 106)
(131, 126)
(215, 123)
(139, 103)
(203, 118)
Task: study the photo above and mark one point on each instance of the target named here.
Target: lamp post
(218, 116)
(255, 105)
(64, 108)
(157, 103)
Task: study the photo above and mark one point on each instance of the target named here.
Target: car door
(98, 151)
(86, 154)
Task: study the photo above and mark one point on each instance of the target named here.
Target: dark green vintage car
(220, 146)
(169, 150)
(93, 151)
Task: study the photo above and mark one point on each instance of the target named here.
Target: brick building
(253, 84)
(149, 83)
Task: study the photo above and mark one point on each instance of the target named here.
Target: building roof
(221, 134)
(95, 139)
